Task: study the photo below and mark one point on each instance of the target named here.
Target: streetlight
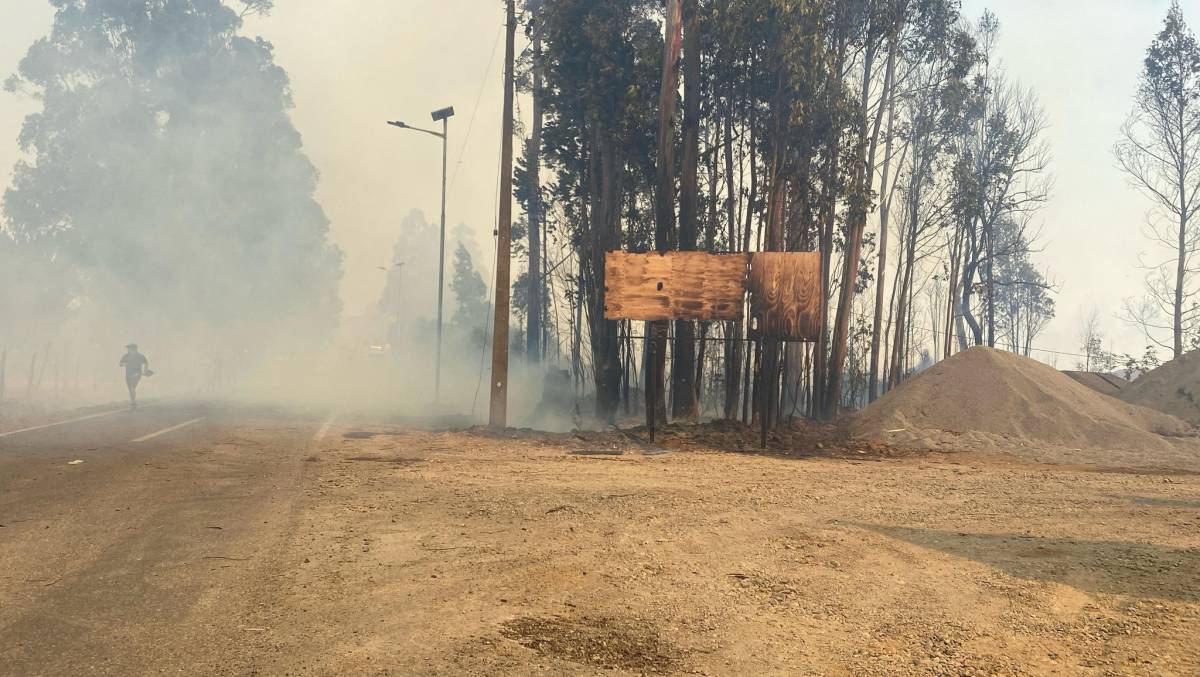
(443, 115)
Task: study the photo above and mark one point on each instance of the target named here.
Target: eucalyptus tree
(933, 114)
(1024, 297)
(1002, 172)
(684, 393)
(600, 67)
(925, 112)
(528, 187)
(887, 30)
(1159, 151)
(165, 171)
(817, 115)
(471, 304)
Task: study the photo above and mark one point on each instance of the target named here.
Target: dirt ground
(460, 554)
(387, 551)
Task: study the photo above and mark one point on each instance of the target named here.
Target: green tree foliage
(1024, 304)
(165, 172)
(600, 63)
(471, 306)
(1136, 366)
(816, 120)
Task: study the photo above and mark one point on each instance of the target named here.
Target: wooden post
(498, 414)
(765, 365)
(651, 392)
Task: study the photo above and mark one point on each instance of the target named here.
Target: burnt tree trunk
(683, 384)
(664, 199)
(952, 292)
(884, 214)
(533, 153)
(606, 230)
(864, 169)
(733, 330)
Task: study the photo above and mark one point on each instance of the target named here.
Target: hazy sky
(368, 61)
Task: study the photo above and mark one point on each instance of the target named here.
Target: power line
(941, 332)
(478, 97)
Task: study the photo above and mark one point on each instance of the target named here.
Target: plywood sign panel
(785, 295)
(674, 286)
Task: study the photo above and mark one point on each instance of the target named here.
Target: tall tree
(934, 116)
(1001, 172)
(664, 195)
(1159, 151)
(684, 396)
(1024, 304)
(883, 25)
(534, 284)
(470, 298)
(600, 62)
(165, 168)
(885, 211)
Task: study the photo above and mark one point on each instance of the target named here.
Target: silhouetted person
(135, 365)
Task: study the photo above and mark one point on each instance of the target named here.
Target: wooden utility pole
(499, 410)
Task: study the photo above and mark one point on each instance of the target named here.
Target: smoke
(166, 199)
(386, 360)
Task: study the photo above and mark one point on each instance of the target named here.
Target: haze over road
(157, 547)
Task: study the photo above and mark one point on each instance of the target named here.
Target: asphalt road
(132, 541)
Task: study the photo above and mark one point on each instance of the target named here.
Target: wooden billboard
(784, 290)
(785, 295)
(674, 286)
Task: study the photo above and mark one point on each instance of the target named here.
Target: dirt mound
(983, 398)
(1109, 384)
(1173, 388)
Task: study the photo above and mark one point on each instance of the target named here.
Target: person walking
(136, 365)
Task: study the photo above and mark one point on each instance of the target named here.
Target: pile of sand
(985, 399)
(1109, 384)
(1173, 388)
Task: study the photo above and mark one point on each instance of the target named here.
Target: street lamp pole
(442, 114)
(437, 377)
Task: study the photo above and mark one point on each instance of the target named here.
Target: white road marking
(164, 431)
(51, 425)
(324, 429)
